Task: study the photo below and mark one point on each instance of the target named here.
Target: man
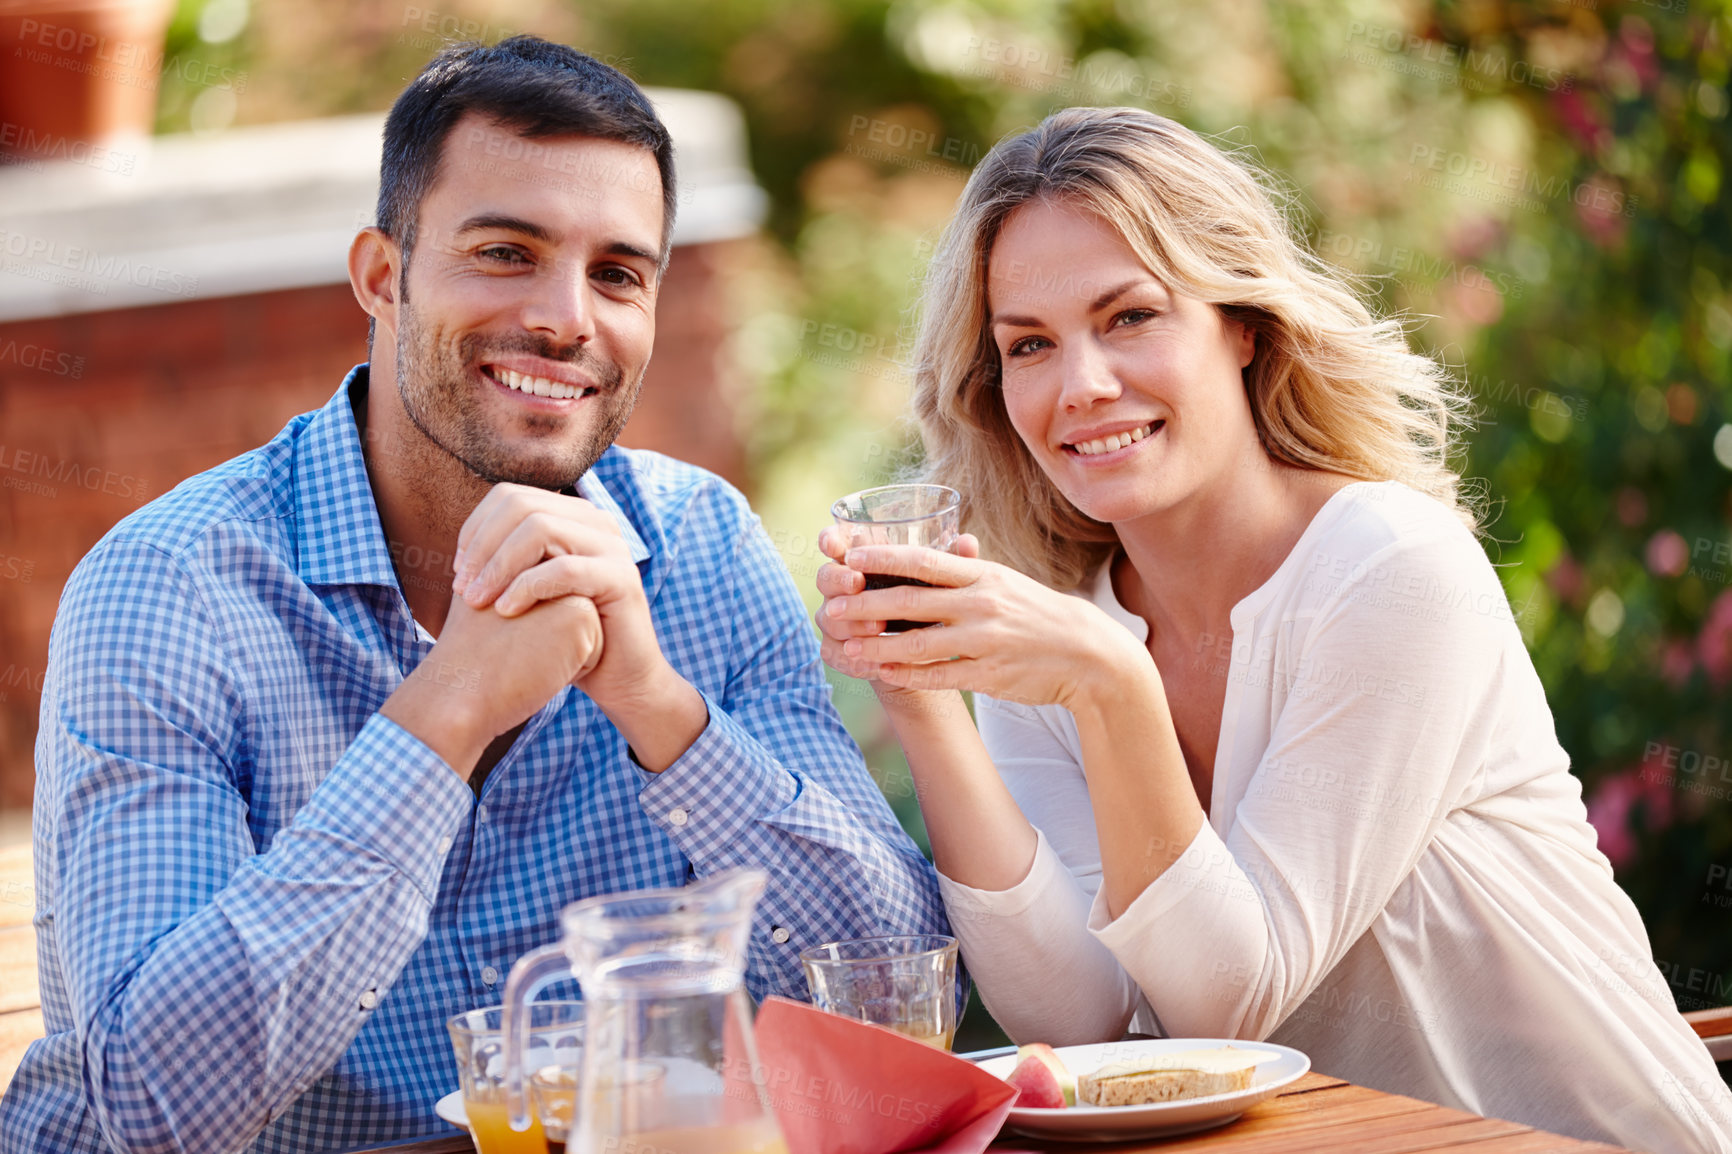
(297, 803)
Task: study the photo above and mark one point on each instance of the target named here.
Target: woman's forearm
(1145, 808)
(978, 833)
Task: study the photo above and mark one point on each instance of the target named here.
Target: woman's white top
(1397, 875)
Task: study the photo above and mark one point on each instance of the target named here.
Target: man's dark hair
(532, 86)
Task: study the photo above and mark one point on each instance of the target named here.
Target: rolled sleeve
(1046, 878)
(1349, 791)
(1200, 975)
(1016, 941)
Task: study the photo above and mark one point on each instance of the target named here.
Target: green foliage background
(1540, 185)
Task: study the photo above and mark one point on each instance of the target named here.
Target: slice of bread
(1171, 1077)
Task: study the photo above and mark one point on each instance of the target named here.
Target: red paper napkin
(844, 1087)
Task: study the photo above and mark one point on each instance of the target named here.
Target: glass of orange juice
(906, 983)
(553, 1101)
(555, 1041)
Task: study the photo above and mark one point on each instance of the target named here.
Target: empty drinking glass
(906, 983)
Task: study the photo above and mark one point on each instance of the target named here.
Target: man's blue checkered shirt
(258, 901)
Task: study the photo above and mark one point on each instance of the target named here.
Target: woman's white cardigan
(1397, 875)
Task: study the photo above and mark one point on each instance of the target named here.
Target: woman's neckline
(1107, 597)
(1254, 601)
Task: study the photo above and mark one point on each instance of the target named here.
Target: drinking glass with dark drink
(926, 515)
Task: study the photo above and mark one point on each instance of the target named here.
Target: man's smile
(536, 377)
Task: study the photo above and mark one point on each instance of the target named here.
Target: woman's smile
(1106, 448)
(1099, 384)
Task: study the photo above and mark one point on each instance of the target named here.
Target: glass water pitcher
(669, 1061)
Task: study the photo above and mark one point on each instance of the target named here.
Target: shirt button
(678, 816)
(369, 999)
(778, 935)
(489, 975)
(444, 845)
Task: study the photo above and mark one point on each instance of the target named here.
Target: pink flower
(1599, 207)
(1714, 643)
(1471, 238)
(1580, 119)
(1668, 554)
(1632, 506)
(1609, 814)
(1568, 580)
(1477, 303)
(1676, 662)
(1657, 792)
(1609, 809)
(1638, 44)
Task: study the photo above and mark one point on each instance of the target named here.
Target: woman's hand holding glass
(999, 632)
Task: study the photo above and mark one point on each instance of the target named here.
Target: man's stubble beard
(440, 401)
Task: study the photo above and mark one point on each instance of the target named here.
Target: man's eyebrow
(493, 220)
(496, 220)
(621, 248)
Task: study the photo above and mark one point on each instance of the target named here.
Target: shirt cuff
(722, 784)
(967, 904)
(389, 795)
(1206, 868)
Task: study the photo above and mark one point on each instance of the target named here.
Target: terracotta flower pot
(78, 72)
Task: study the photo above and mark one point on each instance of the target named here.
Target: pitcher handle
(533, 973)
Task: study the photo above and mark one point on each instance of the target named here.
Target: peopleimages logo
(36, 147)
(34, 255)
(1430, 270)
(1518, 180)
(903, 145)
(133, 64)
(21, 469)
(1064, 76)
(21, 678)
(1530, 397)
(33, 356)
(1470, 67)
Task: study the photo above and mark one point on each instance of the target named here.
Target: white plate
(1158, 1119)
(450, 1108)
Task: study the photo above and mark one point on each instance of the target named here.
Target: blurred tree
(1539, 185)
(1614, 455)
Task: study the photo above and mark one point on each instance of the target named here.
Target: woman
(1281, 767)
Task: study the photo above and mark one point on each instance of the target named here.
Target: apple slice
(1041, 1079)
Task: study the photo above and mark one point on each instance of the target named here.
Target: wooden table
(1315, 1115)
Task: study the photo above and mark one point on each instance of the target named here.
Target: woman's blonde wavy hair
(1330, 385)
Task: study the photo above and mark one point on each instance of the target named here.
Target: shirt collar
(341, 540)
(1104, 595)
(590, 488)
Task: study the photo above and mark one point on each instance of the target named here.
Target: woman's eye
(1133, 316)
(1024, 346)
